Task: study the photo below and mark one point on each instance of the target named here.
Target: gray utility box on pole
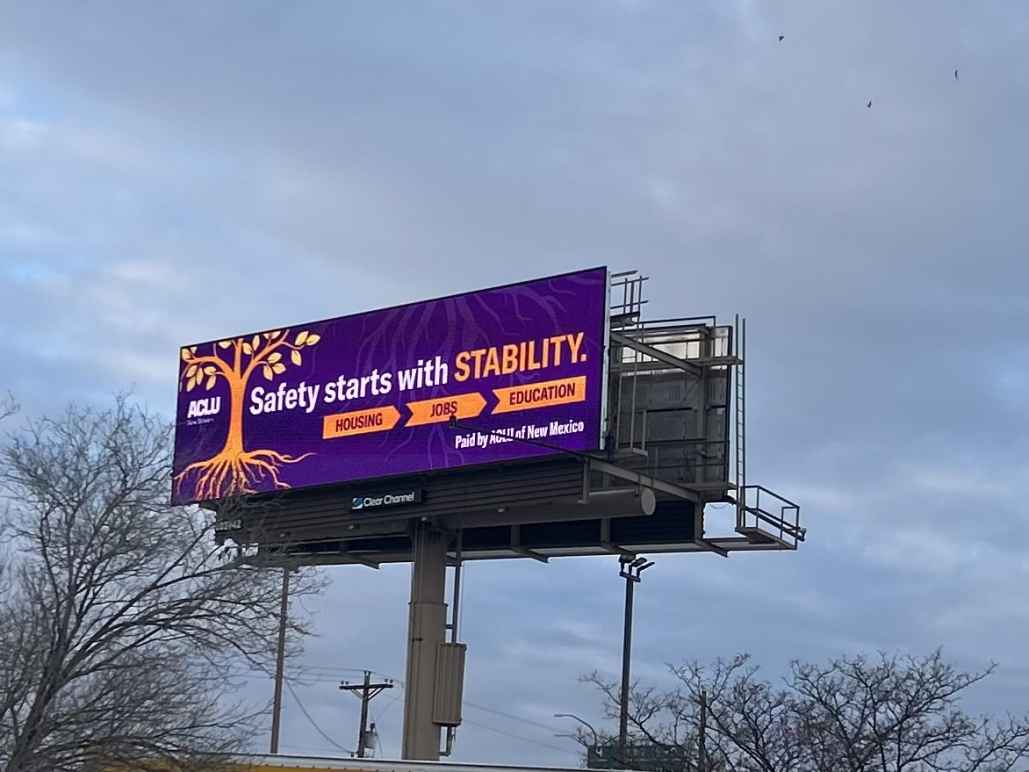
(446, 709)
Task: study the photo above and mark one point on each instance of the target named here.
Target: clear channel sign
(372, 395)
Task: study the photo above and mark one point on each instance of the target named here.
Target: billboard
(371, 395)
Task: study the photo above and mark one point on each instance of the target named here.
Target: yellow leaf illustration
(191, 384)
(186, 356)
(224, 344)
(255, 342)
(267, 372)
(274, 333)
(274, 357)
(279, 368)
(295, 356)
(247, 348)
(192, 369)
(312, 339)
(210, 382)
(301, 337)
(192, 349)
(209, 370)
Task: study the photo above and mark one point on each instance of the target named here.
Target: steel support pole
(623, 708)
(455, 617)
(426, 631)
(280, 655)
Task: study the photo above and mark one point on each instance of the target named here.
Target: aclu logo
(385, 500)
(205, 406)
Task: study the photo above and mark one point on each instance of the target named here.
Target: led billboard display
(371, 395)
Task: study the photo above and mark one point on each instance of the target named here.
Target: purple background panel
(389, 341)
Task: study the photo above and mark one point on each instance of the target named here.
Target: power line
(494, 711)
(509, 715)
(301, 675)
(338, 669)
(385, 709)
(311, 719)
(388, 705)
(382, 714)
(532, 740)
(258, 674)
(368, 691)
(301, 750)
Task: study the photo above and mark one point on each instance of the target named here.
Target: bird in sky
(869, 103)
(956, 74)
(782, 38)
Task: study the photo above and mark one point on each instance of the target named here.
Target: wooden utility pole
(702, 734)
(280, 656)
(367, 690)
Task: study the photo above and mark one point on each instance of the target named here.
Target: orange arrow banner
(534, 395)
(433, 411)
(375, 419)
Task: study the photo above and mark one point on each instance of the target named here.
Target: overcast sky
(172, 172)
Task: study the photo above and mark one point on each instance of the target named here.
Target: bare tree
(887, 713)
(8, 406)
(120, 618)
(662, 734)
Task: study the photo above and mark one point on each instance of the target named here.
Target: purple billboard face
(372, 395)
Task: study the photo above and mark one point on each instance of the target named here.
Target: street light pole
(587, 724)
(630, 569)
(623, 703)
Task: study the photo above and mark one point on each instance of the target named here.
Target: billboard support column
(426, 631)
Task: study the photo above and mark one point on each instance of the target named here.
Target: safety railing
(766, 513)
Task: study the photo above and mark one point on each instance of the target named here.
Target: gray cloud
(177, 173)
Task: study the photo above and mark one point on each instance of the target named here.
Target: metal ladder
(767, 517)
(741, 421)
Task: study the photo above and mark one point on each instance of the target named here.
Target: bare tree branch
(887, 713)
(8, 406)
(119, 615)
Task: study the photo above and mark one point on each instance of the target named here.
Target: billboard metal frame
(617, 500)
(764, 520)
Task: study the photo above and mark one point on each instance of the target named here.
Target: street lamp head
(585, 723)
(638, 562)
(645, 566)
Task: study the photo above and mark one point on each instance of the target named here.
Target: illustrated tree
(234, 470)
